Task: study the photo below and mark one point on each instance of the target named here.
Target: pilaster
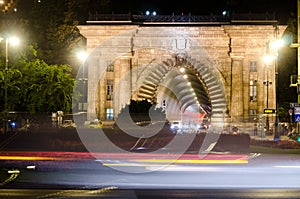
(237, 89)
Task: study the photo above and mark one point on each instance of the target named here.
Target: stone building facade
(224, 76)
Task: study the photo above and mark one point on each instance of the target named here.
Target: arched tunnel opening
(181, 92)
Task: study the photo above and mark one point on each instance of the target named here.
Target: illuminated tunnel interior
(179, 89)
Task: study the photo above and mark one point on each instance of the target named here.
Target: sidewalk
(269, 137)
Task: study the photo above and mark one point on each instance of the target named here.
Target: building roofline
(183, 20)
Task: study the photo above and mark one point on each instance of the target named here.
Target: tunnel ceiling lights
(188, 91)
(182, 82)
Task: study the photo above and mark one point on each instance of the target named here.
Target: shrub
(283, 144)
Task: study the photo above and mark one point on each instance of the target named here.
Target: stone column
(237, 95)
(93, 78)
(122, 88)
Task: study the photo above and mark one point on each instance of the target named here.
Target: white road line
(287, 166)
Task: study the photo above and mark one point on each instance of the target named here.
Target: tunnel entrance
(187, 92)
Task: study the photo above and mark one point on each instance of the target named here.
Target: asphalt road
(262, 171)
(34, 174)
(264, 176)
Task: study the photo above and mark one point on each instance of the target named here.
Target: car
(68, 124)
(176, 126)
(95, 124)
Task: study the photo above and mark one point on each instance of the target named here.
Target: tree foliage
(140, 111)
(40, 76)
(52, 25)
(35, 86)
(287, 67)
(46, 88)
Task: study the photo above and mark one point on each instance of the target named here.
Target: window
(253, 66)
(110, 67)
(253, 90)
(109, 89)
(252, 112)
(109, 114)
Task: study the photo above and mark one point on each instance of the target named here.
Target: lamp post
(267, 83)
(272, 51)
(267, 59)
(13, 41)
(82, 56)
(275, 46)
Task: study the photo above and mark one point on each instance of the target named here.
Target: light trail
(138, 158)
(288, 166)
(28, 158)
(187, 161)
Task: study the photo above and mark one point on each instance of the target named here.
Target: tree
(45, 88)
(40, 80)
(52, 25)
(140, 111)
(287, 66)
(35, 86)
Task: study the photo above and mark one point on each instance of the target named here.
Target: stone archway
(221, 54)
(179, 85)
(140, 69)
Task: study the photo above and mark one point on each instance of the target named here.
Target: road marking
(211, 146)
(254, 155)
(287, 166)
(14, 174)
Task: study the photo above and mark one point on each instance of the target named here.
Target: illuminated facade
(214, 69)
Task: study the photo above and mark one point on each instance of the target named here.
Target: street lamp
(275, 46)
(82, 56)
(272, 53)
(267, 83)
(13, 41)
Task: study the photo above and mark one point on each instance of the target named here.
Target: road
(56, 174)
(262, 172)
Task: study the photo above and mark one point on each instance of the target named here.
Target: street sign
(297, 118)
(269, 111)
(296, 114)
(291, 111)
(292, 105)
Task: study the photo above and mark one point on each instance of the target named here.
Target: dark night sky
(282, 8)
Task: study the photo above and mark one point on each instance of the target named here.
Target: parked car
(176, 126)
(68, 124)
(95, 124)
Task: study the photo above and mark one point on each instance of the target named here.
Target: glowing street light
(269, 58)
(12, 41)
(272, 53)
(277, 44)
(82, 56)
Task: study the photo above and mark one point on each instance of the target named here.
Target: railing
(179, 18)
(109, 17)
